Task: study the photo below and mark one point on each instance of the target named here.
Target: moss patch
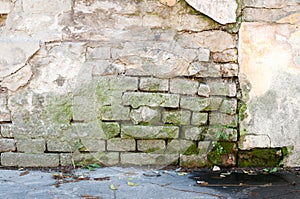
(220, 151)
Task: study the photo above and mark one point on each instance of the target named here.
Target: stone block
(222, 87)
(61, 146)
(7, 130)
(176, 146)
(248, 142)
(203, 90)
(31, 146)
(120, 144)
(5, 114)
(144, 159)
(93, 129)
(193, 161)
(115, 112)
(199, 118)
(203, 54)
(98, 53)
(151, 99)
(103, 158)
(194, 103)
(110, 129)
(221, 134)
(149, 132)
(29, 160)
(229, 70)
(183, 86)
(223, 119)
(228, 55)
(93, 145)
(153, 84)
(145, 115)
(193, 132)
(7, 145)
(181, 117)
(151, 146)
(215, 104)
(229, 106)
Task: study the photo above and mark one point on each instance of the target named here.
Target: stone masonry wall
(136, 82)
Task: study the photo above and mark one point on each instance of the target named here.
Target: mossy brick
(229, 106)
(183, 86)
(222, 87)
(123, 83)
(194, 103)
(199, 118)
(223, 119)
(150, 146)
(193, 161)
(31, 145)
(260, 157)
(116, 112)
(84, 159)
(137, 99)
(29, 160)
(193, 132)
(145, 115)
(176, 117)
(7, 145)
(56, 145)
(93, 145)
(145, 159)
(203, 90)
(149, 132)
(215, 104)
(220, 133)
(153, 84)
(121, 144)
(223, 154)
(110, 129)
(180, 146)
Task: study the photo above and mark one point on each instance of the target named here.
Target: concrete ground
(131, 183)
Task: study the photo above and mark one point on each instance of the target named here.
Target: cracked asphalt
(131, 183)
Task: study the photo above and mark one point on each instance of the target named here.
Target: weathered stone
(103, 67)
(15, 53)
(215, 104)
(145, 115)
(222, 11)
(223, 119)
(203, 90)
(29, 160)
(229, 70)
(268, 81)
(199, 118)
(229, 106)
(221, 134)
(119, 144)
(31, 146)
(105, 158)
(176, 117)
(116, 112)
(153, 84)
(151, 146)
(181, 147)
(222, 87)
(142, 159)
(203, 54)
(183, 86)
(149, 132)
(194, 103)
(260, 158)
(93, 145)
(269, 3)
(98, 53)
(7, 130)
(255, 141)
(92, 129)
(61, 145)
(229, 55)
(193, 161)
(6, 6)
(193, 132)
(5, 115)
(168, 2)
(7, 145)
(110, 129)
(151, 99)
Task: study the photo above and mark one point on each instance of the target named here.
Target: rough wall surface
(146, 82)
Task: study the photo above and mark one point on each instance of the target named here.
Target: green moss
(242, 107)
(151, 150)
(260, 157)
(219, 150)
(284, 151)
(193, 149)
(111, 129)
(60, 110)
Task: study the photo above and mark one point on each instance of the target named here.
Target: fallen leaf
(113, 187)
(102, 179)
(86, 196)
(182, 174)
(216, 168)
(24, 173)
(132, 184)
(222, 176)
(202, 182)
